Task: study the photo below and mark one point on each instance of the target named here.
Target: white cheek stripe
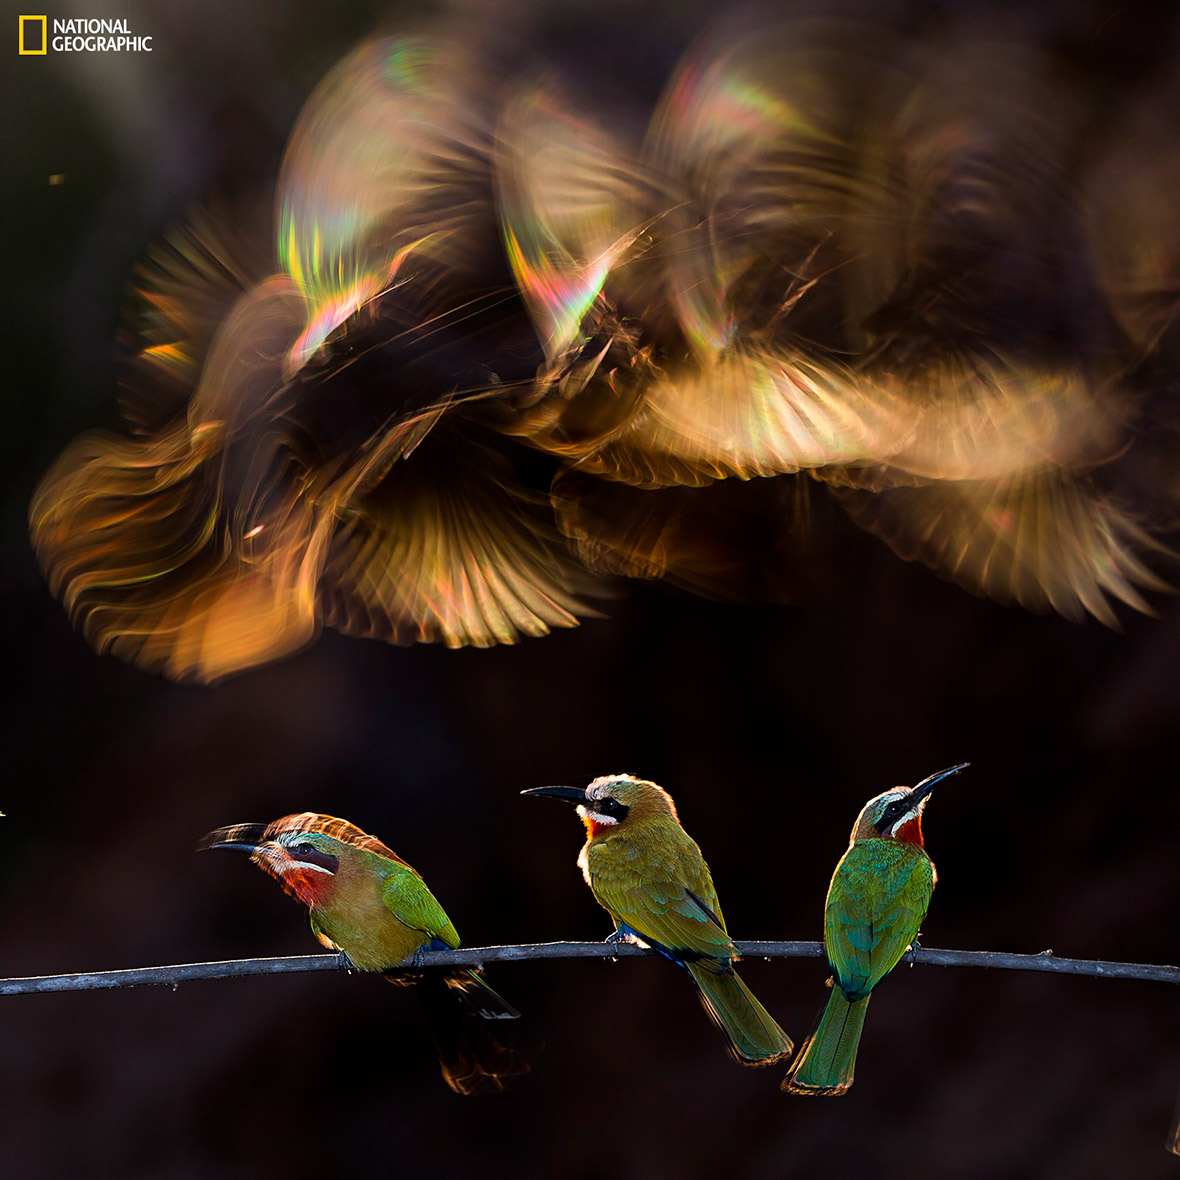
(290, 864)
(596, 816)
(905, 819)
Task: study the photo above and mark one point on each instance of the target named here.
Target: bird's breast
(620, 861)
(359, 923)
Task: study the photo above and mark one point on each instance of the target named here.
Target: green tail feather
(754, 1036)
(826, 1062)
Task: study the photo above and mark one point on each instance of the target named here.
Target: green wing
(407, 898)
(320, 933)
(663, 890)
(878, 897)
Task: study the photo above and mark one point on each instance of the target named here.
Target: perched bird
(648, 873)
(878, 897)
(368, 903)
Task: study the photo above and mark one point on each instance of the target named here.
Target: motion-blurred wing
(390, 155)
(751, 415)
(181, 291)
(977, 418)
(194, 552)
(135, 540)
(448, 548)
(1046, 542)
(570, 206)
(1130, 216)
(734, 541)
(756, 135)
(984, 418)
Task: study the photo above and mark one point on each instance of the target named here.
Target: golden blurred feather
(181, 292)
(447, 547)
(747, 415)
(1048, 542)
(734, 541)
(573, 206)
(879, 268)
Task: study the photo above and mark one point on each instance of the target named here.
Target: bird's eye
(304, 848)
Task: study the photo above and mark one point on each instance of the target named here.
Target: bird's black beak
(568, 794)
(239, 837)
(931, 781)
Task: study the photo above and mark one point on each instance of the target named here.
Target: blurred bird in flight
(369, 904)
(836, 257)
(649, 875)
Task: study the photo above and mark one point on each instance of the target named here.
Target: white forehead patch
(601, 788)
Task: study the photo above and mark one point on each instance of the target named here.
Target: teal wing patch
(878, 897)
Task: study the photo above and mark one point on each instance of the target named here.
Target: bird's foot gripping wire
(625, 936)
(344, 962)
(911, 952)
(421, 956)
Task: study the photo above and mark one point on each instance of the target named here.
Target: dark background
(770, 726)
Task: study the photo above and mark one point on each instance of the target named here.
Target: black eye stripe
(891, 811)
(310, 855)
(611, 807)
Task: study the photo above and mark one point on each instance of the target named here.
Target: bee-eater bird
(878, 897)
(369, 904)
(648, 874)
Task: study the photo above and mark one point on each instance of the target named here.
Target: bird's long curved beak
(931, 781)
(567, 794)
(238, 837)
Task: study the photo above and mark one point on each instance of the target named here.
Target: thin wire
(476, 956)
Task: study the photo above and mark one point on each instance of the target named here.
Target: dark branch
(476, 956)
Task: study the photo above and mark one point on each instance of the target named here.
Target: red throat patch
(305, 885)
(310, 886)
(911, 831)
(593, 828)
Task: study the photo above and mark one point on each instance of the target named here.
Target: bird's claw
(344, 962)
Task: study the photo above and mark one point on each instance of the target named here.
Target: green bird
(648, 874)
(878, 897)
(369, 904)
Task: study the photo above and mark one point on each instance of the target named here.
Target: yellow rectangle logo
(33, 20)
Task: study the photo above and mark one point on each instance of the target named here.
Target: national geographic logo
(78, 35)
